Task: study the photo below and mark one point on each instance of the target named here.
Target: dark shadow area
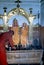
(23, 64)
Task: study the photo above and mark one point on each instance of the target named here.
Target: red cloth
(5, 36)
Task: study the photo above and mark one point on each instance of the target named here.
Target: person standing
(24, 34)
(15, 28)
(4, 37)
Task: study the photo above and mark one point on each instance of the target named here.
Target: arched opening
(21, 32)
(23, 19)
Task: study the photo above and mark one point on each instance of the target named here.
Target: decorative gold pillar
(5, 25)
(31, 18)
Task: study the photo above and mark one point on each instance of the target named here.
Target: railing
(24, 56)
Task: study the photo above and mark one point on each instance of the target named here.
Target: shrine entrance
(21, 35)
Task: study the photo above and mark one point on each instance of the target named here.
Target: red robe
(5, 36)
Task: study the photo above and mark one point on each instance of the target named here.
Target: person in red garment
(4, 37)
